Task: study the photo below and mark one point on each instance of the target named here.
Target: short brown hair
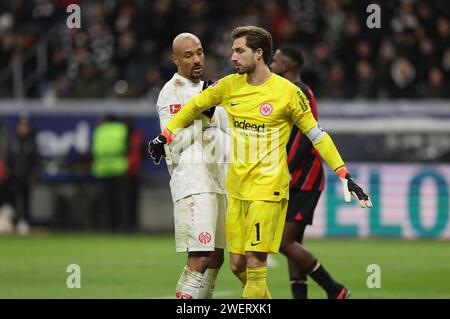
(256, 38)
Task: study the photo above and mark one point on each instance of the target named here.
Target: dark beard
(195, 77)
(247, 69)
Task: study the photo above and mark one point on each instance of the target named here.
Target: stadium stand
(122, 48)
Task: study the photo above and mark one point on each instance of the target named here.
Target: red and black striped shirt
(305, 165)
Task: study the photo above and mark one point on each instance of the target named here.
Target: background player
(262, 107)
(305, 188)
(198, 188)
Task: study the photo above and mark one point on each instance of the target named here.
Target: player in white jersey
(197, 181)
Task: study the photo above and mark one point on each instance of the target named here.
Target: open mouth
(197, 68)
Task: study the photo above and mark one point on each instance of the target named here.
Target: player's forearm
(329, 152)
(185, 116)
(182, 119)
(326, 148)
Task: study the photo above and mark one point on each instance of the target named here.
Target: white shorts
(200, 222)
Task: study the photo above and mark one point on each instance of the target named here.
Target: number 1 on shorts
(257, 231)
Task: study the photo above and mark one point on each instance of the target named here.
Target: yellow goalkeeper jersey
(261, 119)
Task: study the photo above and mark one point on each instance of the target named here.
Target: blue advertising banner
(64, 142)
(410, 200)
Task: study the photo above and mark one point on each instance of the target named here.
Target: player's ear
(175, 59)
(259, 53)
(285, 66)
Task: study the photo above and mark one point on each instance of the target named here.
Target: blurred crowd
(123, 47)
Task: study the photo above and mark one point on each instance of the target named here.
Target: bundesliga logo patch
(266, 109)
(174, 108)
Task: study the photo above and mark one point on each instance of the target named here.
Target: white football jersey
(197, 153)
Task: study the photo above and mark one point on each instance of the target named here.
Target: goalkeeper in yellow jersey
(262, 107)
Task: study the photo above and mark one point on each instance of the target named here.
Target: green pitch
(148, 267)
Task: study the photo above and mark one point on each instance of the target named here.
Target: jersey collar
(178, 77)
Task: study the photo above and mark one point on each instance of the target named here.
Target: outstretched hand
(156, 148)
(351, 188)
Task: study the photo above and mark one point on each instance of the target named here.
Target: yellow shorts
(255, 225)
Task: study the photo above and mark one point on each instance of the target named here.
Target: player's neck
(259, 76)
(294, 77)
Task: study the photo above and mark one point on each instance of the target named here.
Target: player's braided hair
(257, 38)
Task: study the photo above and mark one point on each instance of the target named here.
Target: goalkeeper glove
(156, 147)
(209, 112)
(351, 188)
